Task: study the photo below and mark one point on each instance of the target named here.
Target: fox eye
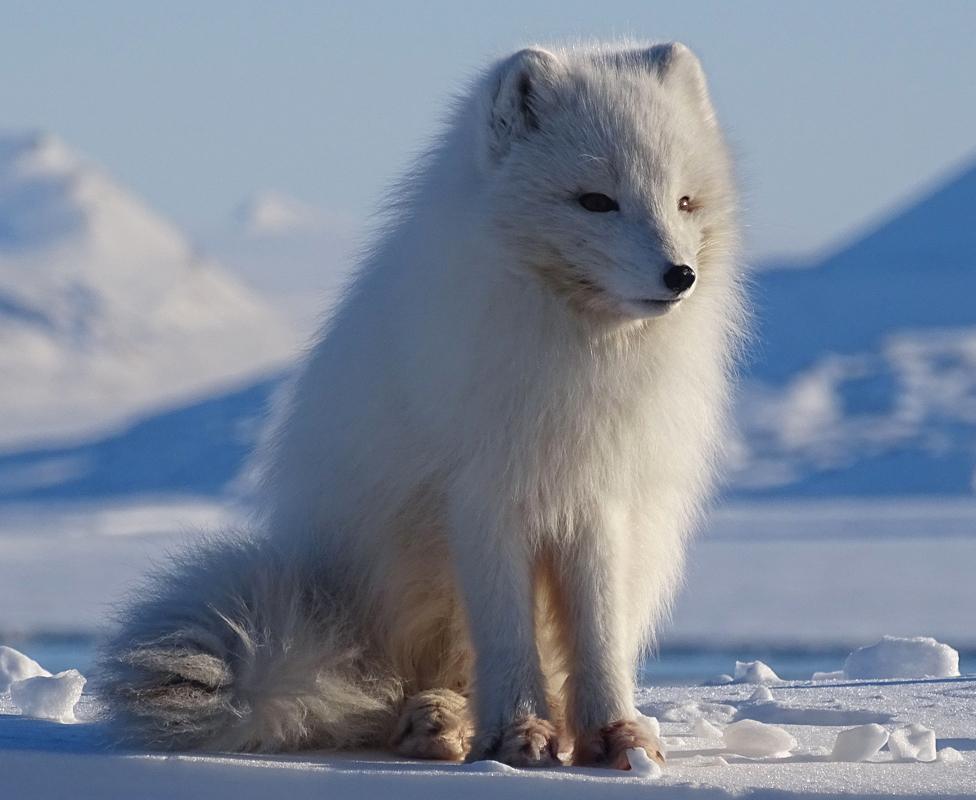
(598, 203)
(685, 204)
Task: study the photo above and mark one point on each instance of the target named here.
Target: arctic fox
(476, 507)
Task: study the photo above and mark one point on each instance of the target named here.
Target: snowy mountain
(862, 381)
(105, 308)
(864, 377)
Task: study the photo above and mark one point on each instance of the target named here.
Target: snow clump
(757, 739)
(15, 666)
(642, 765)
(897, 657)
(755, 672)
(761, 695)
(704, 729)
(49, 697)
(860, 743)
(912, 743)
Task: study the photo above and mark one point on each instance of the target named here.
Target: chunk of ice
(860, 743)
(720, 680)
(757, 739)
(949, 755)
(761, 695)
(755, 672)
(15, 666)
(896, 657)
(49, 697)
(642, 765)
(912, 743)
(704, 729)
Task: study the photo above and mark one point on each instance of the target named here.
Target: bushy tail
(237, 647)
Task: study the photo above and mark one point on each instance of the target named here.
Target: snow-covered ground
(823, 739)
(837, 574)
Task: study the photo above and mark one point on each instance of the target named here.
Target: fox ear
(678, 67)
(520, 91)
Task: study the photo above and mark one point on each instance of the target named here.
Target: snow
(41, 759)
(900, 657)
(704, 729)
(106, 309)
(63, 564)
(642, 766)
(15, 666)
(912, 743)
(761, 695)
(831, 675)
(949, 755)
(854, 398)
(51, 697)
(837, 572)
(860, 743)
(754, 672)
(35, 691)
(757, 739)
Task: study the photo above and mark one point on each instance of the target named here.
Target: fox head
(609, 174)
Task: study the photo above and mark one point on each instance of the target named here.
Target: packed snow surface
(45, 760)
(896, 657)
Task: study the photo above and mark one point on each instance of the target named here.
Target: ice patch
(896, 657)
(641, 765)
(15, 666)
(757, 740)
(912, 743)
(859, 744)
(755, 672)
(704, 729)
(49, 697)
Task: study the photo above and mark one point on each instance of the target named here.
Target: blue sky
(836, 110)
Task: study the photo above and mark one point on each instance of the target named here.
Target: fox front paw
(608, 746)
(433, 724)
(528, 742)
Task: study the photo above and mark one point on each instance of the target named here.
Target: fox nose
(679, 278)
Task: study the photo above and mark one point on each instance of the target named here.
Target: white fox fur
(494, 456)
